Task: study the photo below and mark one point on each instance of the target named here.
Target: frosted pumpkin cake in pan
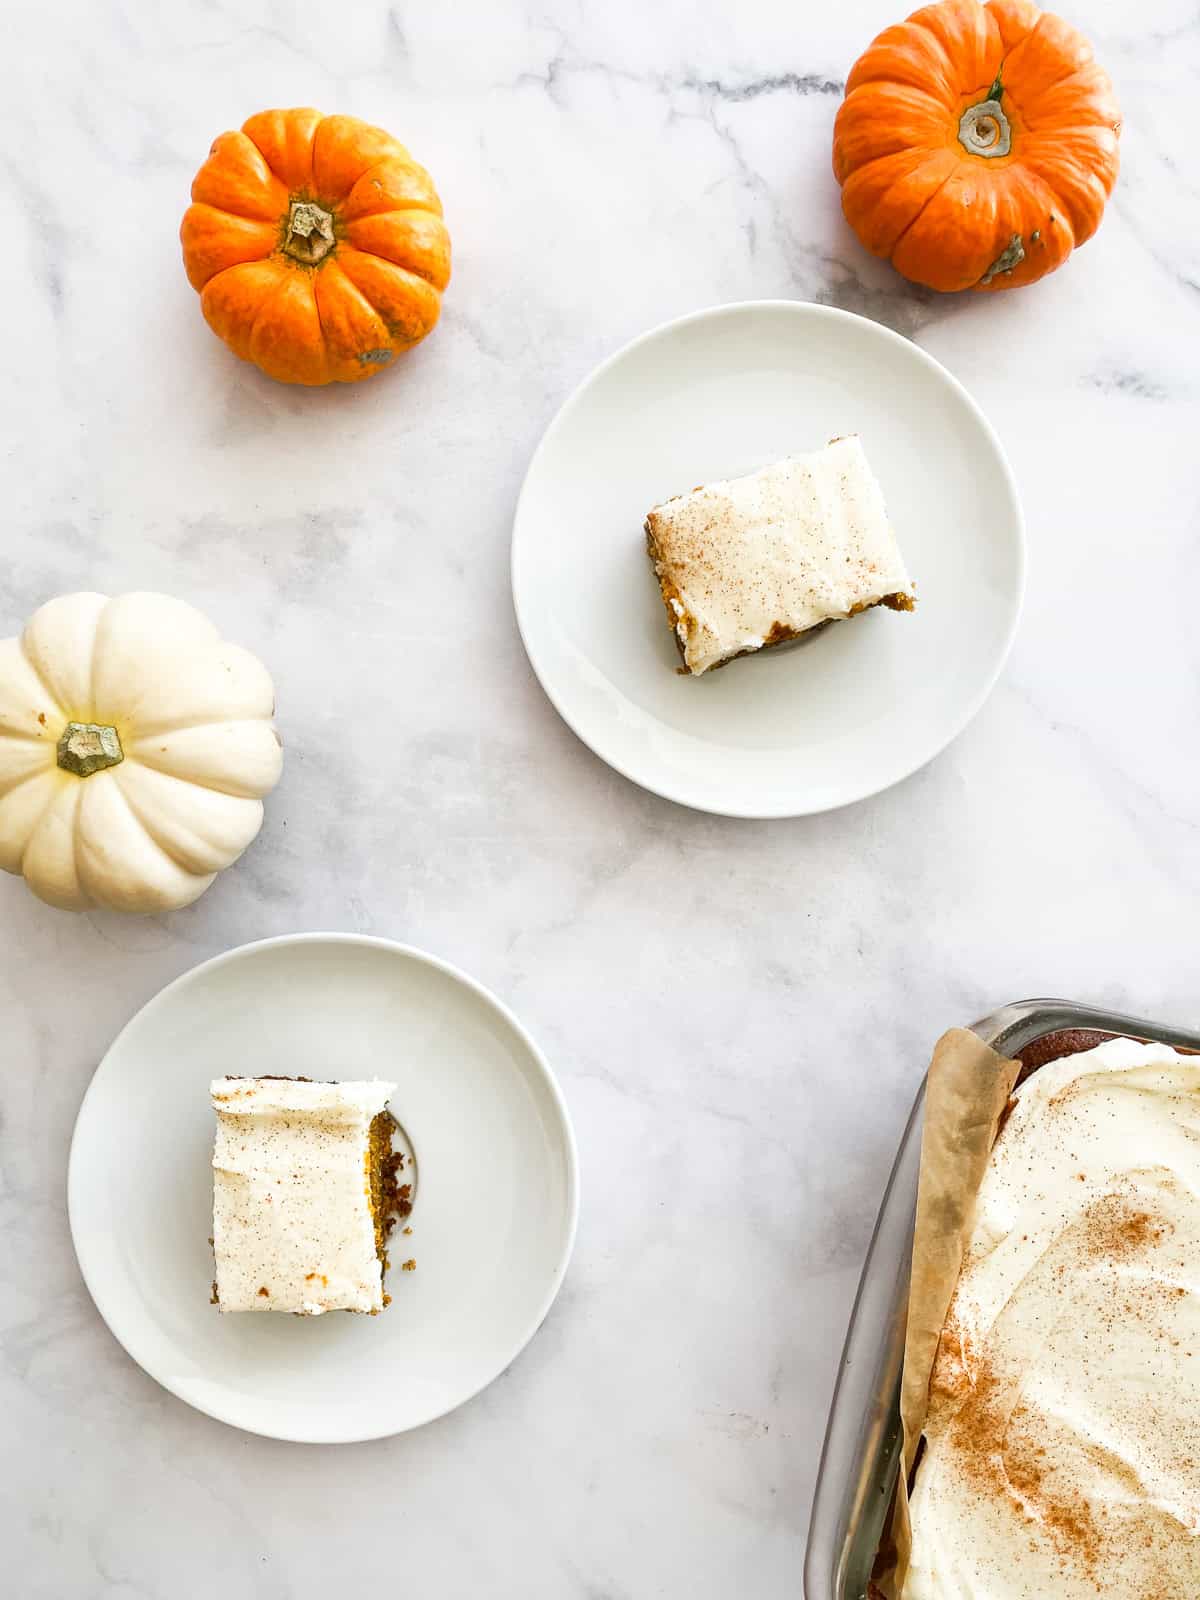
(751, 562)
(1062, 1440)
(305, 1192)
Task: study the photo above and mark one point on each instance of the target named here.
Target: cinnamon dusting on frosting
(305, 1191)
(750, 562)
(1062, 1445)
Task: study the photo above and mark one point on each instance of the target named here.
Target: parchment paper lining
(968, 1087)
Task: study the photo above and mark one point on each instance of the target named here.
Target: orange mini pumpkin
(317, 246)
(977, 144)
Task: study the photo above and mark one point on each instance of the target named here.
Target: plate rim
(730, 309)
(546, 1074)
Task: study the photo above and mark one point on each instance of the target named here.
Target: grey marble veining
(738, 1012)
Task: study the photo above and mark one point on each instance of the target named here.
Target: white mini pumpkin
(135, 749)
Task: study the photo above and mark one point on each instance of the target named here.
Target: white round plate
(716, 395)
(495, 1205)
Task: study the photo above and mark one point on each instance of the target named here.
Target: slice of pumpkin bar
(304, 1194)
(754, 561)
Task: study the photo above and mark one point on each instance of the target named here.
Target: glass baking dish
(862, 1440)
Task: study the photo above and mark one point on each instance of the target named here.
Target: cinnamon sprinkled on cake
(749, 563)
(1061, 1453)
(305, 1193)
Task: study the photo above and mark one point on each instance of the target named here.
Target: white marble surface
(739, 1012)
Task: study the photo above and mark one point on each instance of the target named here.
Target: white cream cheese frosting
(1062, 1455)
(292, 1223)
(751, 560)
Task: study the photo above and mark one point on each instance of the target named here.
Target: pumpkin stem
(984, 129)
(309, 236)
(87, 747)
